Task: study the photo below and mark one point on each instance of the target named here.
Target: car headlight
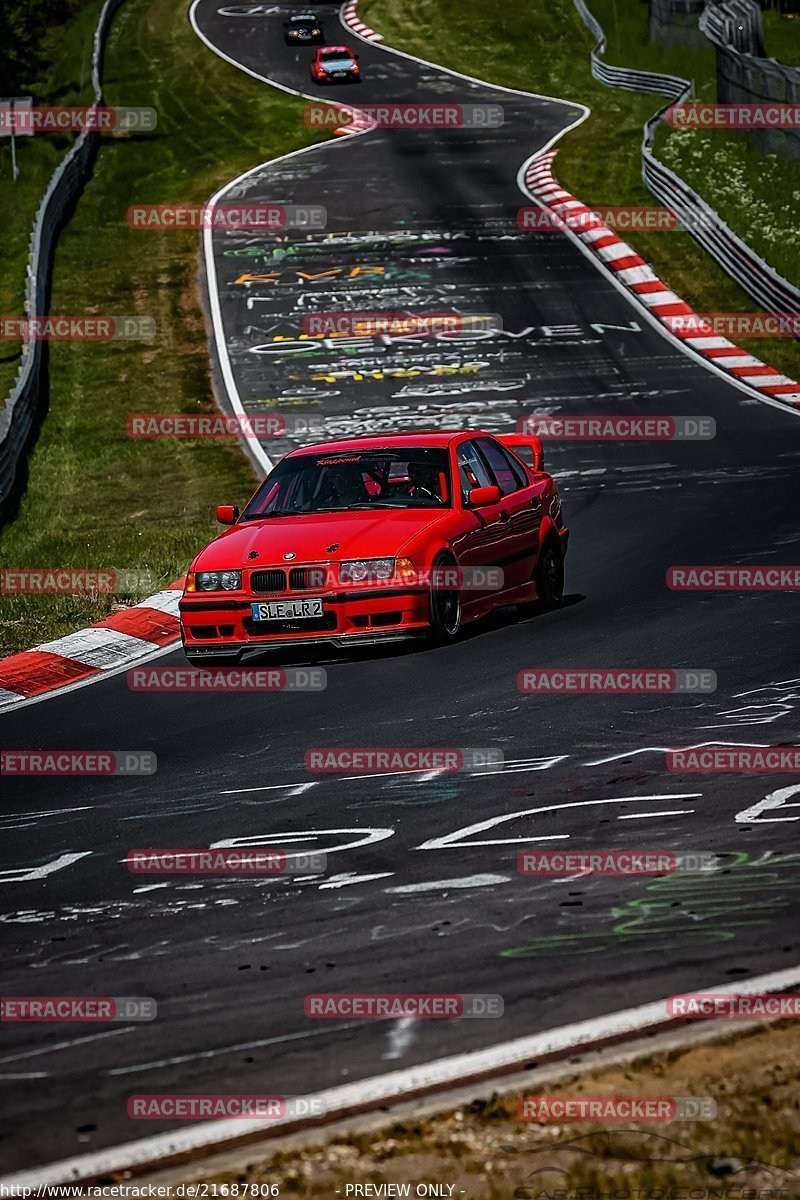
(357, 570)
(215, 581)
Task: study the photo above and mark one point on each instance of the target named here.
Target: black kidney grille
(268, 581)
(303, 578)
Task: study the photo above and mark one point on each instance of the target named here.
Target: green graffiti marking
(681, 910)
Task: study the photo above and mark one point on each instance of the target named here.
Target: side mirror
(227, 514)
(481, 496)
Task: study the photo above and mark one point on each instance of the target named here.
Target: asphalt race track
(422, 891)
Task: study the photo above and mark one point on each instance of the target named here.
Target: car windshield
(303, 20)
(403, 477)
(337, 64)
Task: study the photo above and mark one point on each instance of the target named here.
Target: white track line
(394, 1087)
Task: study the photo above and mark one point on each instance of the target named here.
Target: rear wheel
(444, 605)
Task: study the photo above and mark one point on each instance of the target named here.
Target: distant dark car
(335, 64)
(302, 30)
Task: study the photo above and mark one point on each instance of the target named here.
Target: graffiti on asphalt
(681, 910)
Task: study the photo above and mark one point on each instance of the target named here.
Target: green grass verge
(65, 79)
(755, 193)
(95, 498)
(782, 36)
(600, 161)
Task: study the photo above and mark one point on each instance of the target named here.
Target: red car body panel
(508, 534)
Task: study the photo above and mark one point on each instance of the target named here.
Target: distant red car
(375, 539)
(335, 64)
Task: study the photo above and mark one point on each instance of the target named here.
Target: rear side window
(472, 470)
(508, 473)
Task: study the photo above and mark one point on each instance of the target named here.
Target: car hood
(316, 537)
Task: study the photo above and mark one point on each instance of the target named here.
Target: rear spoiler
(527, 446)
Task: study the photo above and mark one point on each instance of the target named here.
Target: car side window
(508, 474)
(472, 470)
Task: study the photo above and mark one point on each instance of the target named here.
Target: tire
(444, 607)
(549, 574)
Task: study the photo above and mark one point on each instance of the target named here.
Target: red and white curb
(360, 123)
(109, 645)
(641, 281)
(350, 18)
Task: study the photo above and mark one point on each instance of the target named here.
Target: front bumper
(350, 77)
(361, 616)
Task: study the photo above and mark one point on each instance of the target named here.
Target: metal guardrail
(734, 25)
(18, 414)
(625, 77)
(740, 261)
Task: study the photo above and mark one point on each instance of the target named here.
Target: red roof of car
(333, 49)
(383, 441)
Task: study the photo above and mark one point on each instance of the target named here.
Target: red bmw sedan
(376, 539)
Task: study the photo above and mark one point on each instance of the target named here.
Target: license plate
(281, 610)
(340, 74)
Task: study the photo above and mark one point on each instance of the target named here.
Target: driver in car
(424, 482)
(345, 486)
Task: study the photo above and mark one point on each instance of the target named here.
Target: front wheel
(550, 574)
(444, 604)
